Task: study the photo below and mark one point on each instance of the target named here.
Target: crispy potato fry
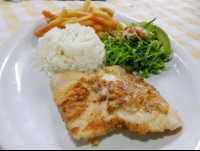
(100, 13)
(83, 23)
(54, 17)
(75, 20)
(79, 9)
(101, 20)
(86, 5)
(48, 14)
(101, 34)
(107, 10)
(52, 24)
(63, 20)
(102, 28)
(87, 23)
(89, 10)
(105, 22)
(93, 7)
(120, 26)
(72, 13)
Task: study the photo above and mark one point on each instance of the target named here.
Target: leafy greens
(145, 57)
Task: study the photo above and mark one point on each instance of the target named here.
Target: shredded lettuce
(144, 57)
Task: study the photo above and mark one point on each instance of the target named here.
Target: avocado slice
(162, 37)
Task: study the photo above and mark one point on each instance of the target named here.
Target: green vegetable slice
(163, 37)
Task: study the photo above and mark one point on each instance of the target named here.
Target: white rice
(76, 48)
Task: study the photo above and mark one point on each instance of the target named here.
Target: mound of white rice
(76, 48)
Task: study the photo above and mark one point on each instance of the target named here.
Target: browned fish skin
(93, 106)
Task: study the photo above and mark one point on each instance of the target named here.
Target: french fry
(79, 9)
(52, 24)
(86, 5)
(89, 10)
(48, 14)
(101, 34)
(75, 20)
(93, 7)
(87, 23)
(100, 13)
(54, 17)
(105, 22)
(101, 20)
(72, 13)
(102, 28)
(120, 26)
(107, 10)
(63, 20)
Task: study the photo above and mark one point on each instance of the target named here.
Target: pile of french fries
(100, 19)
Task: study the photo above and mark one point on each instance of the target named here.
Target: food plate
(30, 119)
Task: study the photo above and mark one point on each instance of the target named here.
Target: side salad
(141, 47)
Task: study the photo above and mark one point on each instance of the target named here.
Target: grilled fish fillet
(94, 104)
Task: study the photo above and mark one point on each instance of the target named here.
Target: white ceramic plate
(29, 119)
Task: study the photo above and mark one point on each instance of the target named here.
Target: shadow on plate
(130, 135)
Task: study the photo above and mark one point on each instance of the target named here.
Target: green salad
(141, 47)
